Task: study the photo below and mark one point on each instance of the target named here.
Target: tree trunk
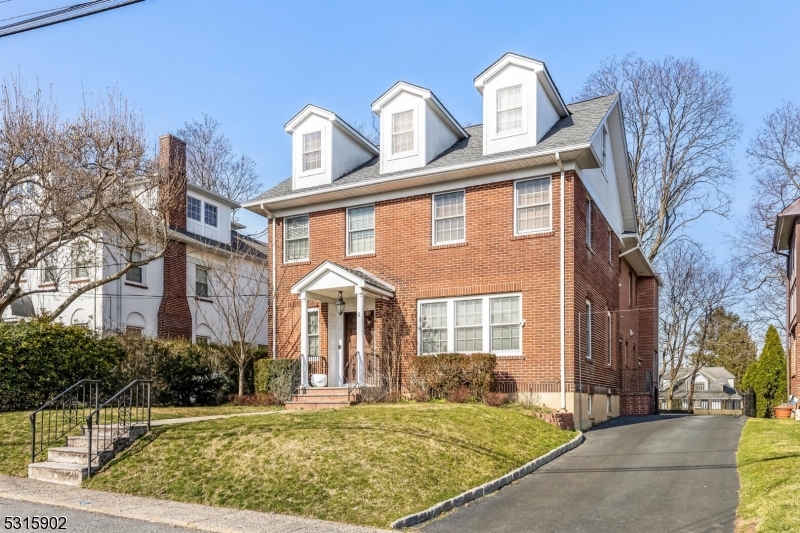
(242, 365)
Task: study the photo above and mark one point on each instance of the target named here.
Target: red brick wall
(636, 404)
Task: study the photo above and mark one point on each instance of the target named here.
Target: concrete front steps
(68, 465)
(321, 398)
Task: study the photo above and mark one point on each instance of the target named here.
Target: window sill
(78, 281)
(447, 245)
(511, 357)
(47, 285)
(360, 256)
(589, 360)
(296, 263)
(137, 285)
(521, 236)
(201, 299)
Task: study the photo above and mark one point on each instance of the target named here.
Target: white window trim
(485, 322)
(208, 281)
(144, 272)
(317, 357)
(322, 153)
(589, 223)
(511, 133)
(285, 228)
(203, 212)
(415, 129)
(610, 347)
(347, 231)
(588, 336)
(589, 403)
(433, 218)
(516, 207)
(202, 209)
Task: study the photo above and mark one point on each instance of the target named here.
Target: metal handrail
(68, 409)
(119, 413)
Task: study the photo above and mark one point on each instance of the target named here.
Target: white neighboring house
(173, 296)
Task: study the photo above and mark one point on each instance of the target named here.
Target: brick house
(785, 242)
(516, 237)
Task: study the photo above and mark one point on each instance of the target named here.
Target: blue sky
(253, 64)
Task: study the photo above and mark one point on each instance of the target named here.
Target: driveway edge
(487, 488)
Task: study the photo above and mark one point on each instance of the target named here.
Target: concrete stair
(321, 398)
(68, 465)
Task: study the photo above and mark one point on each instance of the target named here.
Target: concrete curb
(487, 488)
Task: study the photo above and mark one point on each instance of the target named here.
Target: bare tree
(238, 283)
(774, 155)
(69, 186)
(369, 131)
(681, 129)
(211, 163)
(693, 289)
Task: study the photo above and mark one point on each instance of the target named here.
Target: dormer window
(509, 109)
(312, 151)
(210, 215)
(402, 132)
(193, 206)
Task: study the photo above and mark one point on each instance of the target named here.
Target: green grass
(367, 465)
(15, 432)
(769, 475)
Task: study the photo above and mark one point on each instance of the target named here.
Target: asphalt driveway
(672, 474)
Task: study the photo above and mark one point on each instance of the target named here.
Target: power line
(61, 15)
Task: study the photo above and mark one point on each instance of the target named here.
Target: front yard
(15, 432)
(769, 475)
(367, 465)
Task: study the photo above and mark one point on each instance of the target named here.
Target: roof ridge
(592, 98)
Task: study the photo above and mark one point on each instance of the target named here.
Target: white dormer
(520, 103)
(415, 127)
(209, 214)
(324, 147)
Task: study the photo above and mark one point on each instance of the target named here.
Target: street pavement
(670, 473)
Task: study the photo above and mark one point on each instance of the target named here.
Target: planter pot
(783, 411)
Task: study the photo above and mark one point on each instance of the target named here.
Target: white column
(303, 340)
(360, 334)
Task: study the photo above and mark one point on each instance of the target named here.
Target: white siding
(411, 159)
(546, 115)
(525, 137)
(439, 136)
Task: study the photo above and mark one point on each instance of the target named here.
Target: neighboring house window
(532, 200)
(193, 208)
(135, 274)
(296, 239)
(312, 151)
(402, 132)
(604, 141)
(700, 385)
(608, 337)
(474, 324)
(509, 109)
(469, 325)
(211, 215)
(590, 401)
(433, 318)
(608, 404)
(50, 273)
(448, 217)
(201, 282)
(132, 331)
(201, 340)
(313, 333)
(361, 230)
(81, 260)
(589, 223)
(588, 329)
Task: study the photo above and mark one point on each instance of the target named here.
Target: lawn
(769, 475)
(15, 432)
(367, 465)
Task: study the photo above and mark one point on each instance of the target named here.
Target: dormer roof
(527, 63)
(311, 109)
(425, 94)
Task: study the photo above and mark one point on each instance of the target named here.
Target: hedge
(449, 374)
(278, 377)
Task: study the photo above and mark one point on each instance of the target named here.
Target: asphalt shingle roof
(240, 243)
(576, 129)
(366, 276)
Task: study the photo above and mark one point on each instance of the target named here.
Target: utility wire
(62, 15)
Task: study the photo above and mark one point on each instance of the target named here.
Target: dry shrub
(496, 399)
(440, 375)
(254, 400)
(529, 400)
(460, 394)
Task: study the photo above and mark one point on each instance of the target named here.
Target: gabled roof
(527, 63)
(358, 277)
(425, 94)
(240, 244)
(191, 187)
(570, 133)
(335, 119)
(784, 222)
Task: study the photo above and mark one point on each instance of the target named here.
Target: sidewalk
(189, 515)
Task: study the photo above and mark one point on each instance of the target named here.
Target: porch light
(340, 304)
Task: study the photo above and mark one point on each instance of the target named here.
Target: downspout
(562, 286)
(274, 297)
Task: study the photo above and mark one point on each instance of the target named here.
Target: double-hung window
(448, 217)
(471, 324)
(296, 239)
(361, 230)
(532, 205)
(402, 132)
(509, 109)
(193, 208)
(201, 282)
(135, 274)
(50, 273)
(312, 151)
(313, 333)
(210, 215)
(82, 260)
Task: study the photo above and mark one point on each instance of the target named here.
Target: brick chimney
(174, 316)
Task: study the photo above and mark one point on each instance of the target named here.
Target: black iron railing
(114, 419)
(57, 418)
(317, 364)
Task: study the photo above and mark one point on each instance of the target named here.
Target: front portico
(351, 295)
